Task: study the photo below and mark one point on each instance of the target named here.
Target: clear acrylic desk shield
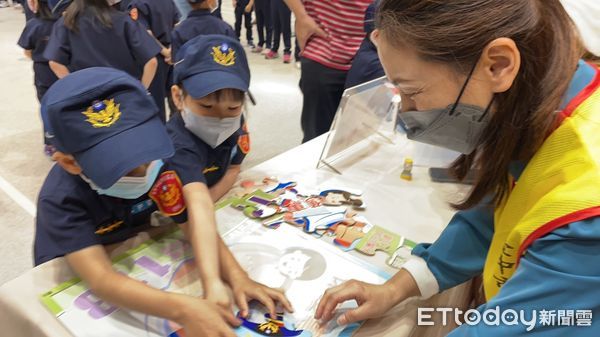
(365, 110)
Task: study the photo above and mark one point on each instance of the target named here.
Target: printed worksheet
(283, 258)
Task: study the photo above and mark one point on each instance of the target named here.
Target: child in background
(281, 17)
(366, 65)
(92, 34)
(243, 12)
(34, 40)
(159, 18)
(199, 22)
(264, 25)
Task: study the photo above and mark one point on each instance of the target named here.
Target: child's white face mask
(212, 130)
(129, 187)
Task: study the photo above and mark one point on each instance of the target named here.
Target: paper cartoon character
(293, 265)
(340, 197)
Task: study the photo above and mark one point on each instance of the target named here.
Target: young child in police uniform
(92, 34)
(33, 40)
(199, 22)
(108, 179)
(158, 17)
(211, 77)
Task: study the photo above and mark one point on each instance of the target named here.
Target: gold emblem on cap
(223, 55)
(103, 114)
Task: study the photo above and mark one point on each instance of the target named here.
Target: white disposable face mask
(212, 130)
(129, 187)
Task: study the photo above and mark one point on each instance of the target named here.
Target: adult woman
(525, 111)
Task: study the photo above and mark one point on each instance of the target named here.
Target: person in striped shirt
(329, 34)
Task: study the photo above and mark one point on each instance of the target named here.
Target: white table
(417, 209)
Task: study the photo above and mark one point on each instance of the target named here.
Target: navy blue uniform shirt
(365, 66)
(199, 22)
(195, 161)
(126, 46)
(71, 216)
(35, 37)
(158, 16)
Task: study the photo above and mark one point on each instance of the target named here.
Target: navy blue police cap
(209, 63)
(107, 120)
(58, 6)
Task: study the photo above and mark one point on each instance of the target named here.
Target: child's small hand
(218, 294)
(166, 53)
(245, 289)
(203, 318)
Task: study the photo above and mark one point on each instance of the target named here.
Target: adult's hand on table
(373, 301)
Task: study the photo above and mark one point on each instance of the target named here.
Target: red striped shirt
(343, 21)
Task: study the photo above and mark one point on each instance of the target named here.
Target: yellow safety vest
(559, 186)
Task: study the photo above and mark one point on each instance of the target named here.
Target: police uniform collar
(199, 12)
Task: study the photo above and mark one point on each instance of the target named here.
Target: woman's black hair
(99, 9)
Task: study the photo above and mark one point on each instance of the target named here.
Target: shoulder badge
(244, 143)
(167, 193)
(244, 140)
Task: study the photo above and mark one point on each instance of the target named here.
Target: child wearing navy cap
(108, 179)
(199, 22)
(211, 140)
(93, 34)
